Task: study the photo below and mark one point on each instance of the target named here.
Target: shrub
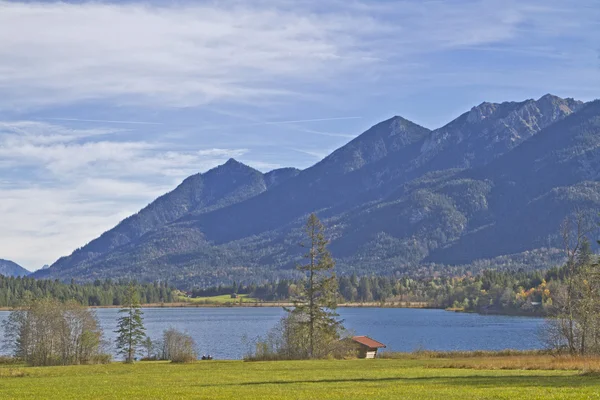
(289, 340)
(178, 347)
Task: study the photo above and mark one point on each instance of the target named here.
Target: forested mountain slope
(492, 184)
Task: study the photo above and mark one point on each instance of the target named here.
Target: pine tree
(130, 326)
(318, 299)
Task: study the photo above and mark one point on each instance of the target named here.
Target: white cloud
(43, 223)
(61, 152)
(82, 184)
(197, 53)
(179, 54)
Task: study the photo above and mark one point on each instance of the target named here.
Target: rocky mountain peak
(376, 143)
(492, 128)
(233, 163)
(481, 112)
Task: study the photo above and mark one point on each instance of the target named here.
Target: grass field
(351, 379)
(223, 299)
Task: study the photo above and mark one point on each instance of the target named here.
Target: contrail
(208, 127)
(275, 123)
(309, 120)
(103, 120)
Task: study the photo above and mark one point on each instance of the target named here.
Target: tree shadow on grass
(522, 381)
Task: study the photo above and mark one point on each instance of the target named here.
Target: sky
(106, 105)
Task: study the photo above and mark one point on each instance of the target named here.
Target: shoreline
(417, 305)
(406, 305)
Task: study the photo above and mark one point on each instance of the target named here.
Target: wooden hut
(367, 347)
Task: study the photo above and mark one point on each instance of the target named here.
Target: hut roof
(367, 341)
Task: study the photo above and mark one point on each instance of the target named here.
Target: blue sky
(104, 106)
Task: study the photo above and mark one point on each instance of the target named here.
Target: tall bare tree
(575, 322)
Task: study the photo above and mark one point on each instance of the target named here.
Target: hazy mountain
(9, 268)
(492, 184)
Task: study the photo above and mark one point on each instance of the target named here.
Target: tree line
(503, 292)
(15, 290)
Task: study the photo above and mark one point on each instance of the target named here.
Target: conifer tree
(317, 302)
(130, 326)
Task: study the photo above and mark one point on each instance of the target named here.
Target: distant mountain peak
(10, 268)
(233, 161)
(379, 141)
(233, 166)
(552, 97)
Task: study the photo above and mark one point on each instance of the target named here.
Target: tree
(576, 301)
(315, 306)
(48, 332)
(130, 326)
(148, 347)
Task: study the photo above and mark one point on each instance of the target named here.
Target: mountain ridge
(391, 201)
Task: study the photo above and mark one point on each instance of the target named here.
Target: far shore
(249, 304)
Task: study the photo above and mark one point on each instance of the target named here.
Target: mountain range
(488, 189)
(9, 268)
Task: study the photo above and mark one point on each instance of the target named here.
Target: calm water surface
(221, 331)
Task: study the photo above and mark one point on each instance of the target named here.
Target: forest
(14, 291)
(504, 292)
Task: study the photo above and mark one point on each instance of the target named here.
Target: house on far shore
(367, 347)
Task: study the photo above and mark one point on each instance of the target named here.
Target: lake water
(221, 331)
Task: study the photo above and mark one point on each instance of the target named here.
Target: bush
(9, 360)
(178, 347)
(289, 340)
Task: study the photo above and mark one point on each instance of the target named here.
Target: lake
(221, 331)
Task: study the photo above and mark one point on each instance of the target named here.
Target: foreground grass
(351, 379)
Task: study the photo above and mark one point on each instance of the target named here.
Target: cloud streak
(187, 54)
(105, 121)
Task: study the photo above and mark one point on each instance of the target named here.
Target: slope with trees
(490, 186)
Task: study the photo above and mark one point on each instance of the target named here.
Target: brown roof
(367, 341)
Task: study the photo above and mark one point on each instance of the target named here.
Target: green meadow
(222, 299)
(327, 379)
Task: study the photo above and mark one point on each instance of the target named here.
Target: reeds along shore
(501, 360)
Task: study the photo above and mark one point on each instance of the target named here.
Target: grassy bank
(429, 378)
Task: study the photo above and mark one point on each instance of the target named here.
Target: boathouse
(367, 347)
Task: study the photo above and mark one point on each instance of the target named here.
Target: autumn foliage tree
(574, 325)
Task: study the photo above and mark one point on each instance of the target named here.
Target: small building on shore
(367, 347)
